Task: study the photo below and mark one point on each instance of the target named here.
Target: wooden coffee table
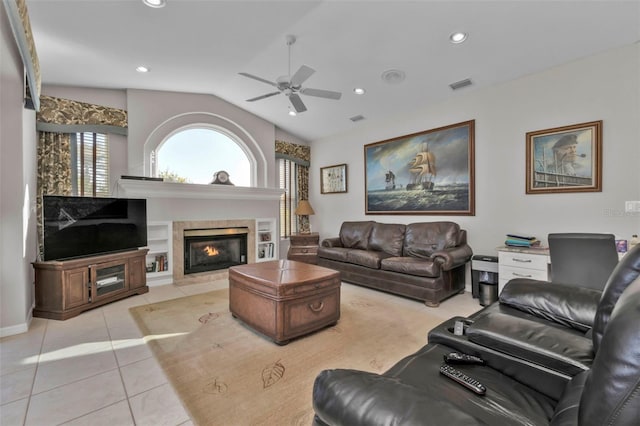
(283, 299)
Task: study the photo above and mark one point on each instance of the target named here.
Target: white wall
(17, 190)
(603, 87)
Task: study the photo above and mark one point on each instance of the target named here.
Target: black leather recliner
(413, 392)
(542, 327)
(541, 367)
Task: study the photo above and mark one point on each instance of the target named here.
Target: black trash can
(484, 278)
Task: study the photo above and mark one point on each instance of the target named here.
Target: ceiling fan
(291, 85)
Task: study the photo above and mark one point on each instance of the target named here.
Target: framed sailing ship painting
(565, 159)
(426, 173)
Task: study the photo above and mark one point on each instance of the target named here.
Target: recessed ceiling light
(142, 69)
(458, 37)
(292, 113)
(155, 3)
(359, 91)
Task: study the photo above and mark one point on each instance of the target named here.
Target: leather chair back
(611, 394)
(625, 272)
(582, 259)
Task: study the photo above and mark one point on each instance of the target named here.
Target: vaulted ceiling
(200, 46)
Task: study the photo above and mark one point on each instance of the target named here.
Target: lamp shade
(304, 209)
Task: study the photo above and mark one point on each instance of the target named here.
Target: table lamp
(303, 211)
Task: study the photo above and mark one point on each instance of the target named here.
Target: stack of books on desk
(526, 241)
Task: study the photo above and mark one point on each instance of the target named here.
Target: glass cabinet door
(108, 279)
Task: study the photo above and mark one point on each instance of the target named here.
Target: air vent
(357, 118)
(460, 84)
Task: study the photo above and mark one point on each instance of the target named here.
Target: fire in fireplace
(213, 249)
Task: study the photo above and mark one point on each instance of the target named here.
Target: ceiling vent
(460, 84)
(357, 118)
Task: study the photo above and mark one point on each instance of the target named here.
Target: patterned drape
(55, 120)
(301, 155)
(54, 171)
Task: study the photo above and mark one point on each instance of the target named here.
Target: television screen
(84, 226)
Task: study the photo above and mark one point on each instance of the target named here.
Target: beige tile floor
(95, 369)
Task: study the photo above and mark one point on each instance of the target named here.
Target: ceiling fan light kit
(291, 85)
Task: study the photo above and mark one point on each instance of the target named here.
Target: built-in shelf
(266, 240)
(159, 259)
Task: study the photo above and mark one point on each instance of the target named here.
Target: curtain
(54, 171)
(55, 121)
(301, 155)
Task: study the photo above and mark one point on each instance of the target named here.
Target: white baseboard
(18, 328)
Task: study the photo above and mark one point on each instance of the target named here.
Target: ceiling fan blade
(297, 102)
(321, 93)
(263, 96)
(303, 73)
(258, 78)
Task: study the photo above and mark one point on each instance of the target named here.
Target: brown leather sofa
(424, 260)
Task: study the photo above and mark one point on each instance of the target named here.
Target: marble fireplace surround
(179, 278)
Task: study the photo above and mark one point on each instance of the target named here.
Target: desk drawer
(523, 260)
(508, 273)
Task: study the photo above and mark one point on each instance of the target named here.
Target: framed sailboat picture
(565, 159)
(425, 173)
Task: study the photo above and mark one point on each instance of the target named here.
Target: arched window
(195, 154)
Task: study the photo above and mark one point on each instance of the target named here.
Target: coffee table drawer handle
(317, 308)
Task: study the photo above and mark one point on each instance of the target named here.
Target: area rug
(227, 374)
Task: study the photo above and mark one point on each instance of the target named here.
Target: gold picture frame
(426, 173)
(565, 159)
(333, 179)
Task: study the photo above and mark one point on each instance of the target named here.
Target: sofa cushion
(387, 237)
(368, 258)
(356, 234)
(411, 266)
(333, 253)
(424, 238)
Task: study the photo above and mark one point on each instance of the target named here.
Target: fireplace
(214, 249)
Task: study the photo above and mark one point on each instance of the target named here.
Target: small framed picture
(565, 159)
(333, 179)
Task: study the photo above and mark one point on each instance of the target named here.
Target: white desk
(517, 262)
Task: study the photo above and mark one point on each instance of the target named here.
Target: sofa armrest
(332, 242)
(570, 306)
(452, 257)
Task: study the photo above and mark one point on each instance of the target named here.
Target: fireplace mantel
(155, 189)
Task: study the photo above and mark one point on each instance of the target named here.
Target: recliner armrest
(350, 397)
(452, 257)
(558, 348)
(570, 306)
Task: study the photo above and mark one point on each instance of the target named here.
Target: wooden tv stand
(66, 288)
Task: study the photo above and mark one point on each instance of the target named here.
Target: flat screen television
(85, 226)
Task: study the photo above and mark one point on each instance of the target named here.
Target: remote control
(460, 358)
(463, 379)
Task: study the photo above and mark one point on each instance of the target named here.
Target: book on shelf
(159, 264)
